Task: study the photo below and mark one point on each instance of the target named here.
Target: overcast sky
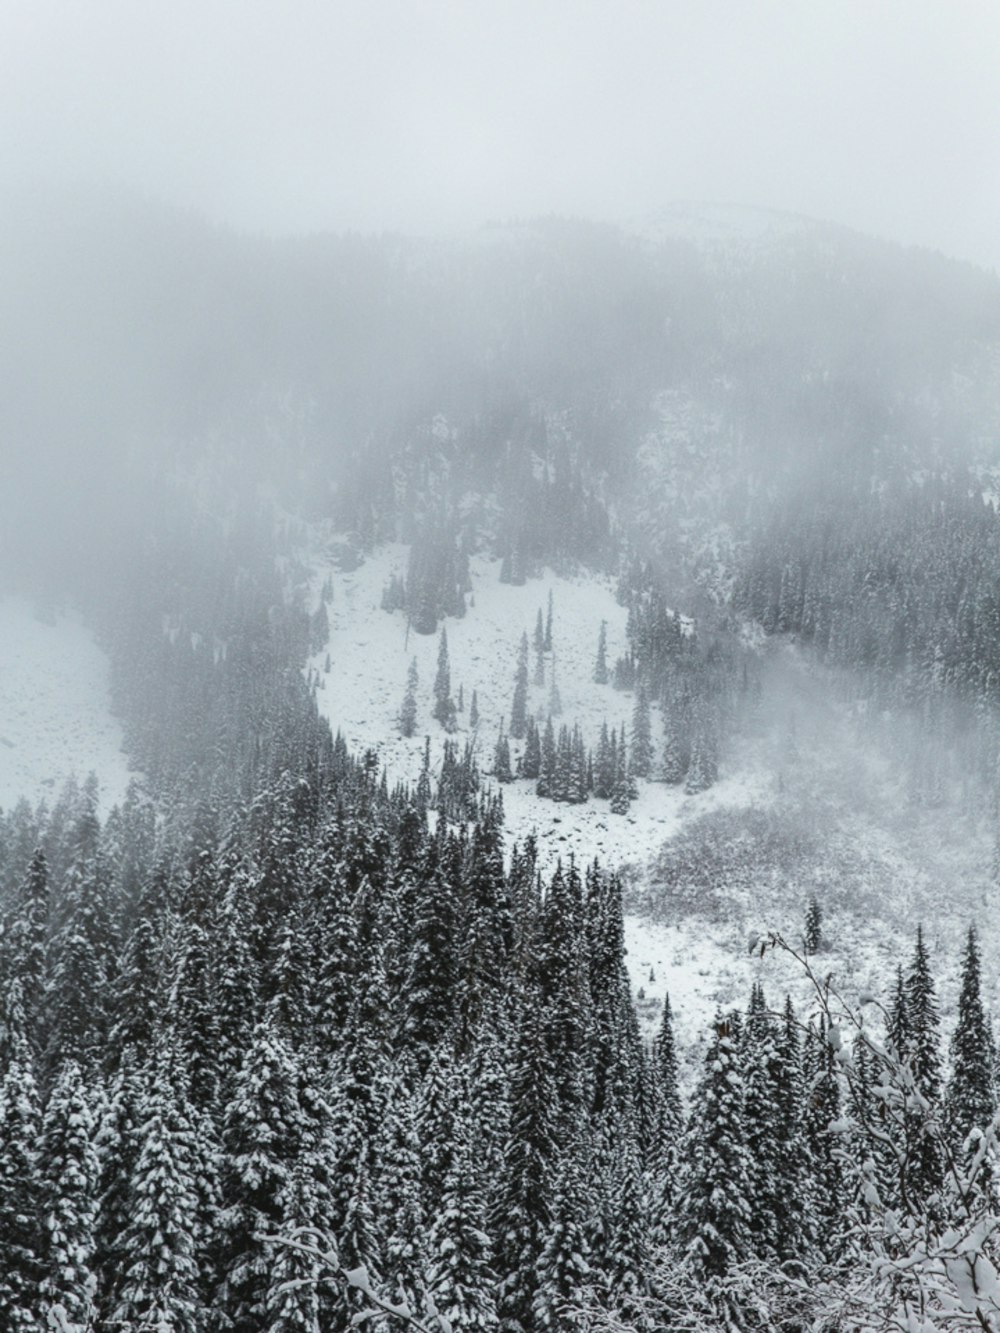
(425, 115)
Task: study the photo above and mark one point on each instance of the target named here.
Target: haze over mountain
(498, 721)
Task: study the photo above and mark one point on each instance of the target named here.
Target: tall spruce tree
(519, 708)
(712, 1214)
(22, 1244)
(970, 1096)
(408, 711)
(444, 706)
(70, 1179)
(925, 1166)
(601, 660)
(642, 743)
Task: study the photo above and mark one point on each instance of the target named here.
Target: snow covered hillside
(55, 717)
(823, 774)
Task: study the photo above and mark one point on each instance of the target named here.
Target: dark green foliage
(813, 938)
(970, 1096)
(408, 711)
(444, 706)
(712, 1214)
(519, 708)
(531, 759)
(601, 660)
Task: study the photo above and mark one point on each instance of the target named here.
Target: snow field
(55, 708)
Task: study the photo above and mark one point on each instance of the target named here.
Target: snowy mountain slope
(55, 712)
(823, 774)
(370, 652)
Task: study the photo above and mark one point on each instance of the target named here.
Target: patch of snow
(55, 708)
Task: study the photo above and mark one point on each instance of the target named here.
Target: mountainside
(503, 637)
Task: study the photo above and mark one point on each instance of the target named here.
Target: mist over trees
(281, 1017)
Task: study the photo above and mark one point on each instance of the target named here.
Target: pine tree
(621, 791)
(408, 712)
(548, 625)
(674, 760)
(555, 698)
(531, 759)
(601, 661)
(825, 1165)
(763, 1132)
(473, 711)
(926, 1167)
(970, 1097)
(539, 645)
(814, 927)
(605, 764)
(21, 1240)
(523, 1204)
(519, 708)
(501, 760)
(160, 1283)
(70, 1176)
(667, 1127)
(459, 1277)
(545, 785)
(712, 1214)
(428, 992)
(444, 707)
(642, 744)
(401, 1215)
(564, 1273)
(262, 1134)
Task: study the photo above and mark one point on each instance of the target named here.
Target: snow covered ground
(808, 759)
(55, 712)
(370, 653)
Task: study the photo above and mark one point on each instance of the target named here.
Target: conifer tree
(822, 1109)
(22, 1247)
(29, 946)
(531, 759)
(519, 708)
(459, 1277)
(501, 760)
(814, 926)
(70, 1179)
(160, 1279)
(298, 1276)
(621, 791)
(674, 760)
(642, 744)
(763, 1132)
(925, 1165)
(523, 1203)
(408, 712)
(627, 1260)
(712, 1214)
(538, 678)
(970, 1097)
(401, 1215)
(444, 707)
(548, 624)
(262, 1134)
(555, 698)
(601, 661)
(474, 711)
(667, 1127)
(428, 993)
(545, 785)
(604, 764)
(564, 1271)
